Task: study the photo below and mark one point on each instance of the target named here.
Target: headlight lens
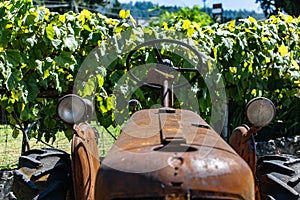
(72, 109)
(260, 111)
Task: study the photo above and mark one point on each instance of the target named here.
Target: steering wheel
(162, 62)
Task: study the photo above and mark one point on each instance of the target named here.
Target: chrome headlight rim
(72, 109)
(260, 111)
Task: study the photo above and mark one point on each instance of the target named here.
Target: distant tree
(239, 15)
(113, 12)
(142, 10)
(63, 6)
(192, 14)
(271, 7)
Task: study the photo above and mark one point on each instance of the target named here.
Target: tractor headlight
(73, 109)
(260, 111)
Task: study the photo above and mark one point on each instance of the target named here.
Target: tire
(279, 177)
(43, 174)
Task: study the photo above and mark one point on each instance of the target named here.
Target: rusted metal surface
(172, 154)
(85, 161)
(165, 80)
(242, 141)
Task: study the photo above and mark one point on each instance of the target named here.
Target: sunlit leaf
(62, 18)
(186, 24)
(15, 96)
(100, 80)
(190, 32)
(41, 14)
(31, 40)
(124, 14)
(84, 14)
(89, 87)
(283, 50)
(251, 19)
(70, 43)
(56, 43)
(132, 20)
(295, 64)
(111, 102)
(231, 25)
(50, 32)
(233, 70)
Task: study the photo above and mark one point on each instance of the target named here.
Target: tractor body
(172, 154)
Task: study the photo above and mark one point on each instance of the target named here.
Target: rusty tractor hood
(172, 154)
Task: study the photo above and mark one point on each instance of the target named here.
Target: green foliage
(63, 6)
(40, 54)
(256, 58)
(185, 16)
(271, 7)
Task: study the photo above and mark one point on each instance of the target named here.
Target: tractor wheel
(43, 174)
(279, 177)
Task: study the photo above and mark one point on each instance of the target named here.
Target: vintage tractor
(161, 153)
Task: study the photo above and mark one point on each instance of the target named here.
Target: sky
(226, 4)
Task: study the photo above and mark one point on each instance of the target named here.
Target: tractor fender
(85, 161)
(242, 141)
